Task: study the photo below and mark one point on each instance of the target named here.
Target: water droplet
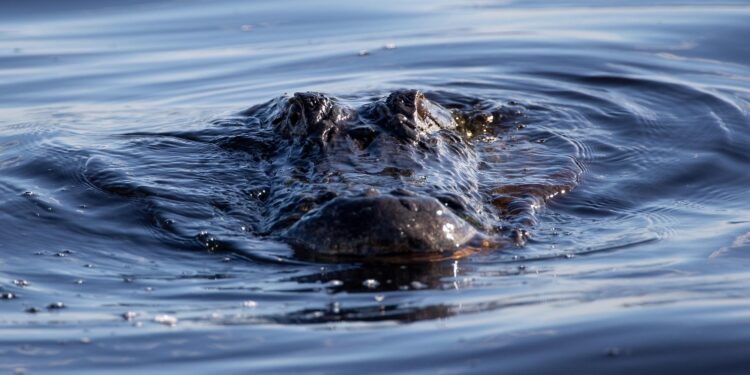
(334, 307)
(56, 306)
(613, 352)
(167, 320)
(335, 283)
(7, 295)
(371, 283)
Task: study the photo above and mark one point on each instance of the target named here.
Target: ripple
(128, 196)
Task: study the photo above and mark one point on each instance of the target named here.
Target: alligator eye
(293, 116)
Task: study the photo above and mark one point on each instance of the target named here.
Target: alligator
(394, 175)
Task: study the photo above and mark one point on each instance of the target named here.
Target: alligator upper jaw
(382, 226)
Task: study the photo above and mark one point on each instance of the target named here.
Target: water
(642, 267)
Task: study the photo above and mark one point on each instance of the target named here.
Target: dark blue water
(644, 267)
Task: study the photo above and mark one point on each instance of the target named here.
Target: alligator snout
(381, 225)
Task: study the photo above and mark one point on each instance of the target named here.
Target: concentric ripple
(137, 228)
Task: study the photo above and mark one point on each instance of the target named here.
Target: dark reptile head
(394, 175)
(381, 170)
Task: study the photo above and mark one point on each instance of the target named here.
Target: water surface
(642, 267)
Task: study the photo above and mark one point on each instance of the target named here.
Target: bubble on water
(148, 289)
(88, 265)
(165, 319)
(56, 306)
(79, 282)
(379, 297)
(7, 295)
(334, 307)
(364, 52)
(129, 315)
(336, 283)
(614, 352)
(389, 46)
(250, 304)
(371, 283)
(210, 242)
(418, 285)
(21, 283)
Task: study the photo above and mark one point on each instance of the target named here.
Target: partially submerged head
(398, 175)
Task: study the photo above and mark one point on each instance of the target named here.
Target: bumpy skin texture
(404, 125)
(381, 225)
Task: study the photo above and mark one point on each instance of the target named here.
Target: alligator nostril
(452, 201)
(409, 204)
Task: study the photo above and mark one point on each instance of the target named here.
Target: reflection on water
(124, 245)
